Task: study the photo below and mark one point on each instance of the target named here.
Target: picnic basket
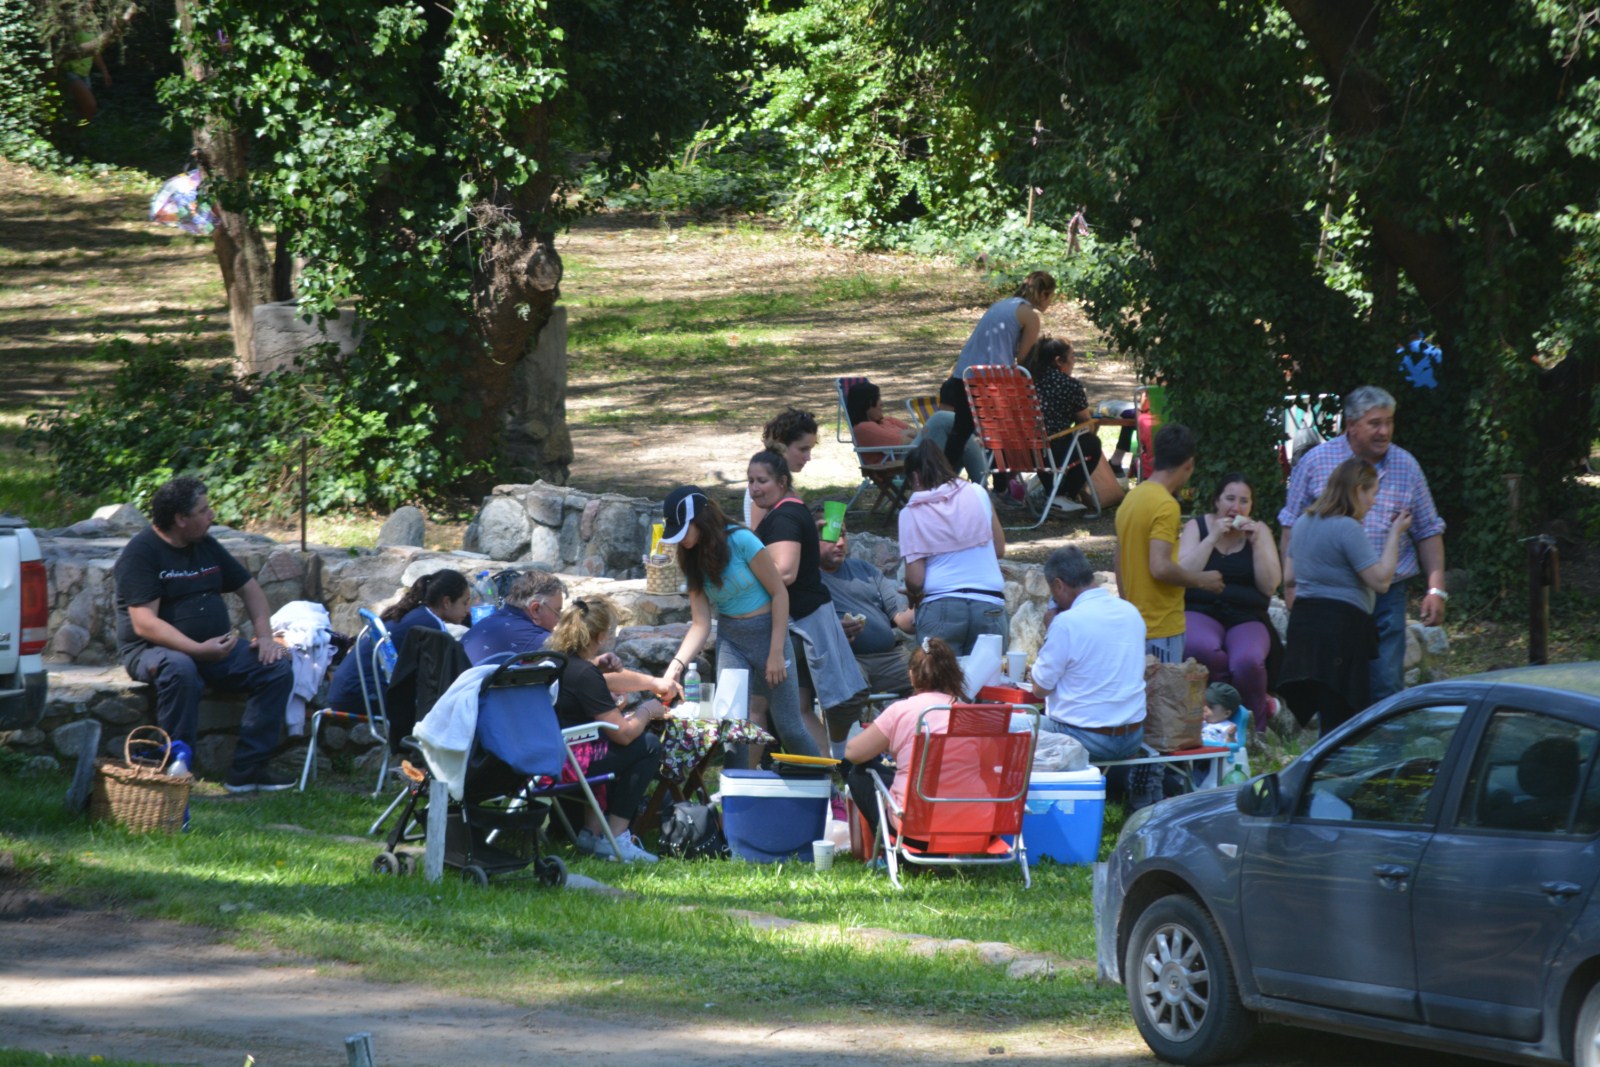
(661, 575)
(137, 791)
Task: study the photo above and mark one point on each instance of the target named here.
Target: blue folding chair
(375, 663)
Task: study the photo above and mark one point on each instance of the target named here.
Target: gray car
(1423, 875)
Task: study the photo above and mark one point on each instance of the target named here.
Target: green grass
(668, 946)
(12, 1057)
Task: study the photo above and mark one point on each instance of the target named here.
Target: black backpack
(692, 831)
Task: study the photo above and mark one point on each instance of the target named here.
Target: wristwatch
(1440, 593)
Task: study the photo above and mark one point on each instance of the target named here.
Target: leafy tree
(1285, 191)
(419, 158)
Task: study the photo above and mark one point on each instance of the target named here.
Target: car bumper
(22, 700)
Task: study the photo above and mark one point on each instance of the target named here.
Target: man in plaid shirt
(1368, 434)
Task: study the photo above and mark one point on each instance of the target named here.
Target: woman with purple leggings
(1229, 632)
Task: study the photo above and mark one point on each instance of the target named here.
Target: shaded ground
(899, 320)
(88, 983)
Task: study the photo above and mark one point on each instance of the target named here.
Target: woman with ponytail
(431, 601)
(631, 752)
(936, 682)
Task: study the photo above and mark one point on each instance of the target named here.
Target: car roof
(1580, 678)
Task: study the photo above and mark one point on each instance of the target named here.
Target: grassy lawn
(284, 870)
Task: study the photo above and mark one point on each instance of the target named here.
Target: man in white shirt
(1090, 671)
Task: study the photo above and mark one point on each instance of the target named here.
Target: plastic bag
(1058, 752)
(182, 203)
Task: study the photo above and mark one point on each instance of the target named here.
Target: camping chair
(887, 469)
(376, 666)
(921, 408)
(1009, 422)
(967, 789)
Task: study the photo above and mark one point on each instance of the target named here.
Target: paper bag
(1174, 704)
(732, 697)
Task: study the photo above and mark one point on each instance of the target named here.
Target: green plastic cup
(832, 519)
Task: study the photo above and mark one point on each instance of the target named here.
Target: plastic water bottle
(483, 598)
(691, 684)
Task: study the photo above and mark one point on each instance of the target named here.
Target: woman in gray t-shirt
(1336, 577)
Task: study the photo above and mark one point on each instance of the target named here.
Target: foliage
(29, 104)
(1278, 207)
(749, 173)
(165, 414)
(426, 169)
(880, 134)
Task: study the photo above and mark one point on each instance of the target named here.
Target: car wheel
(1586, 1037)
(1181, 986)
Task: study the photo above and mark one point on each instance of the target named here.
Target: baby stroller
(512, 773)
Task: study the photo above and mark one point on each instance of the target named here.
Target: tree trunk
(241, 251)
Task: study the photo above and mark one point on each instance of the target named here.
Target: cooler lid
(769, 784)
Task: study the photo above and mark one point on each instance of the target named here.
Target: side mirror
(1259, 797)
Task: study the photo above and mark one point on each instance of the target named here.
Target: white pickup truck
(24, 622)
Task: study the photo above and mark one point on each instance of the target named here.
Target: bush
(746, 175)
(165, 414)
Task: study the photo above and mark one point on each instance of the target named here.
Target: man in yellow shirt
(1148, 573)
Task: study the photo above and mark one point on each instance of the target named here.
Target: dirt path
(91, 984)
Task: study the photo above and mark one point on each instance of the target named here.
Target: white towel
(304, 626)
(446, 732)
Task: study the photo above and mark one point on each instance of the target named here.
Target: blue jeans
(179, 680)
(1142, 784)
(959, 622)
(1165, 649)
(1388, 668)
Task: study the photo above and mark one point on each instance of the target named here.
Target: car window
(1384, 773)
(1528, 774)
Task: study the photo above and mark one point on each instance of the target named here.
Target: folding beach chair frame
(376, 715)
(881, 475)
(966, 720)
(1008, 420)
(922, 408)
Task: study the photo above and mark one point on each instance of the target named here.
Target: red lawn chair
(1009, 422)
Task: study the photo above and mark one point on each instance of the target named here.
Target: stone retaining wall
(566, 530)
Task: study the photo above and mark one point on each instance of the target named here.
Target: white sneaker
(632, 852)
(588, 840)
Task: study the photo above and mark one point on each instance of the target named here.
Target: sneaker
(260, 780)
(632, 852)
(588, 840)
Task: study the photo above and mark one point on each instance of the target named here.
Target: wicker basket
(136, 792)
(661, 575)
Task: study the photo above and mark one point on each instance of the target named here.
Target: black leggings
(635, 766)
(1077, 475)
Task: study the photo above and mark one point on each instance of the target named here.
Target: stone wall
(565, 530)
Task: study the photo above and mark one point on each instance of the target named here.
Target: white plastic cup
(708, 700)
(822, 854)
(1016, 666)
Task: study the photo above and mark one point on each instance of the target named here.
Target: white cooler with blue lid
(1065, 815)
(768, 817)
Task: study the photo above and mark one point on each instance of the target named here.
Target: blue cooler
(1065, 815)
(769, 817)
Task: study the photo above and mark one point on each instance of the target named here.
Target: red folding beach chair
(966, 794)
(1010, 423)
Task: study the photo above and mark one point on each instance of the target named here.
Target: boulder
(1435, 641)
(503, 528)
(406, 526)
(68, 739)
(121, 518)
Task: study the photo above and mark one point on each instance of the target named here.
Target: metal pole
(302, 493)
(1542, 569)
(358, 1049)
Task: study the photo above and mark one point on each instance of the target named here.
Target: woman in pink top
(936, 682)
(864, 403)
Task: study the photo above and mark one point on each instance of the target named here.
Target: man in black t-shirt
(173, 630)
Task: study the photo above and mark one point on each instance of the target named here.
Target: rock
(544, 546)
(87, 528)
(213, 755)
(335, 737)
(406, 526)
(1435, 641)
(40, 767)
(282, 332)
(120, 710)
(68, 640)
(503, 529)
(1027, 629)
(571, 537)
(1037, 585)
(586, 521)
(68, 739)
(651, 648)
(546, 503)
(1413, 646)
(882, 552)
(1413, 677)
(121, 518)
(469, 538)
(1036, 967)
(995, 953)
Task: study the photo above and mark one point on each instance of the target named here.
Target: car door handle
(1560, 891)
(1389, 873)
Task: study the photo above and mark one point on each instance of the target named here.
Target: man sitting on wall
(173, 630)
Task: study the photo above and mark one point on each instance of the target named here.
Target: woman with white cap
(729, 569)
